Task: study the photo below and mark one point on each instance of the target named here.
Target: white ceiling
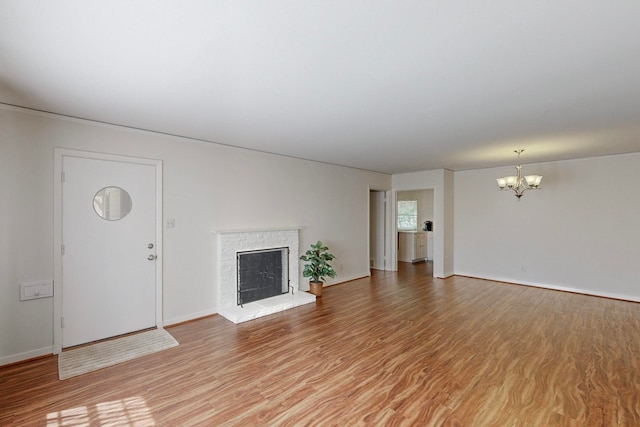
(390, 86)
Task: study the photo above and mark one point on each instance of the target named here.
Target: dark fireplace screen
(262, 274)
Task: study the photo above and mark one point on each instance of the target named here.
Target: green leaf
(317, 266)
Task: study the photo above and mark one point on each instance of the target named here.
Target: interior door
(377, 221)
(109, 248)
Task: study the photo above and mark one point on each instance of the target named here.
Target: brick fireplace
(229, 244)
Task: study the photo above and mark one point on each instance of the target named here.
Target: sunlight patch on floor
(132, 411)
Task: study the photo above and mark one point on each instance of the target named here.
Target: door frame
(377, 229)
(390, 235)
(59, 154)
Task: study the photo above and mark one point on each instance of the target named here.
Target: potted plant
(317, 266)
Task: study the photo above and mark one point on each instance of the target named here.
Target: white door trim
(59, 155)
(391, 223)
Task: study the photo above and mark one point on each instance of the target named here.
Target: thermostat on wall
(33, 290)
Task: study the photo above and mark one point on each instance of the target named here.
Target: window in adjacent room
(407, 215)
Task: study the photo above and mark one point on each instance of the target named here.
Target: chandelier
(517, 183)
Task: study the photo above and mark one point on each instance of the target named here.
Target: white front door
(109, 248)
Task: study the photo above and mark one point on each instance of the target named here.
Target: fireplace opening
(262, 274)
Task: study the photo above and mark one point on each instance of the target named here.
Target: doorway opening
(414, 219)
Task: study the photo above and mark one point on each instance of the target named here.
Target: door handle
(152, 257)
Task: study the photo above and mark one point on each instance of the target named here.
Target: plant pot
(315, 288)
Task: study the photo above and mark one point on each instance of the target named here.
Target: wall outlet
(171, 223)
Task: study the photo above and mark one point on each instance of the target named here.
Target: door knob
(150, 246)
(152, 257)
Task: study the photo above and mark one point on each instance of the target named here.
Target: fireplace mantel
(229, 243)
(257, 230)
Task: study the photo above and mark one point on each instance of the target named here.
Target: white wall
(26, 240)
(580, 232)
(207, 187)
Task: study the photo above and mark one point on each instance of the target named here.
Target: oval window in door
(112, 203)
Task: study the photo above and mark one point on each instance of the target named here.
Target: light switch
(33, 290)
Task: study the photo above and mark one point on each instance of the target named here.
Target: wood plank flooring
(396, 349)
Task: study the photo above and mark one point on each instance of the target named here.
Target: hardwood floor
(394, 349)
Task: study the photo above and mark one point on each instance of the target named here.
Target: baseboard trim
(621, 297)
(347, 279)
(187, 318)
(27, 355)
